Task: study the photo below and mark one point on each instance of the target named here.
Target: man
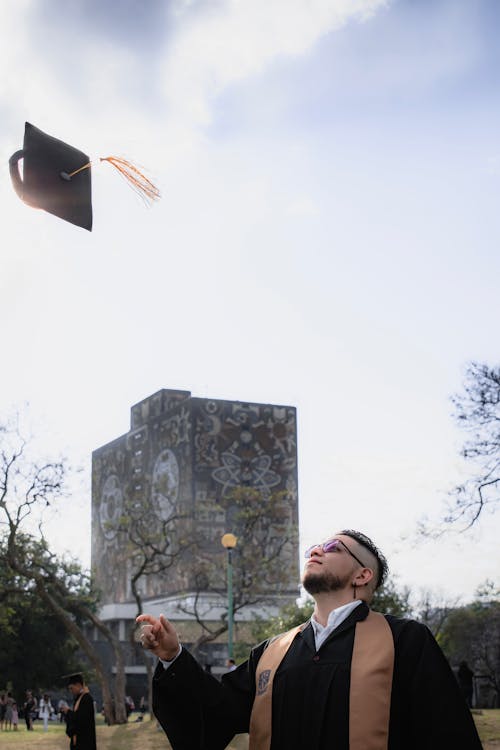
(80, 721)
(350, 678)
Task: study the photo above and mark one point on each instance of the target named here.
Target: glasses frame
(332, 544)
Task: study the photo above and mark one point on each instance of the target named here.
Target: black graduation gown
(311, 696)
(81, 723)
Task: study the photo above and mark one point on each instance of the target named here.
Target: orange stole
(372, 667)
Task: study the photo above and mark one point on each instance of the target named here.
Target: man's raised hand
(159, 636)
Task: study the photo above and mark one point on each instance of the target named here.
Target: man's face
(75, 688)
(330, 571)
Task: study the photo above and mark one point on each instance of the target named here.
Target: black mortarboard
(73, 679)
(46, 182)
(56, 177)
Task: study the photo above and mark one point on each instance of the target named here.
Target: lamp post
(229, 542)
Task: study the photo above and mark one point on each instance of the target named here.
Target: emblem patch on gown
(263, 681)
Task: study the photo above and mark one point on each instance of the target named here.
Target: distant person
(129, 705)
(15, 717)
(9, 701)
(465, 677)
(80, 720)
(60, 706)
(3, 708)
(349, 678)
(29, 708)
(231, 665)
(45, 711)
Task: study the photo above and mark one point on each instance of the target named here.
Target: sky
(326, 238)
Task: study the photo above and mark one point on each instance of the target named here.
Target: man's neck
(328, 601)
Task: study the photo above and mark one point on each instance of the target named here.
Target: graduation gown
(81, 724)
(310, 700)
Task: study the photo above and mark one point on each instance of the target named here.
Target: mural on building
(182, 457)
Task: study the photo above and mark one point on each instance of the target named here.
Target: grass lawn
(146, 736)
(488, 725)
(133, 736)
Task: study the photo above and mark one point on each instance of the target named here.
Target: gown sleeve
(196, 711)
(435, 712)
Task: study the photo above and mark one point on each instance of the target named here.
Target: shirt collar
(335, 617)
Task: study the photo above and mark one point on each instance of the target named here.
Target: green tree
(472, 634)
(289, 617)
(36, 648)
(27, 487)
(392, 601)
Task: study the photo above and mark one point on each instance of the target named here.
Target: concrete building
(174, 471)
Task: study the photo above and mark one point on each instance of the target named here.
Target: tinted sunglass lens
(331, 545)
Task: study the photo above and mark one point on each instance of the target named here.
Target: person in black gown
(80, 720)
(316, 686)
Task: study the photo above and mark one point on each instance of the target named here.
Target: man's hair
(366, 542)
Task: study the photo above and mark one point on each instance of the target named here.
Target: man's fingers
(145, 632)
(157, 635)
(156, 624)
(167, 625)
(148, 630)
(146, 618)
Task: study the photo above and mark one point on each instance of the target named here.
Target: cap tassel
(136, 179)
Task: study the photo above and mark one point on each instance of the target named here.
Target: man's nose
(317, 550)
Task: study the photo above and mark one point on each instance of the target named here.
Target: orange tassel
(136, 179)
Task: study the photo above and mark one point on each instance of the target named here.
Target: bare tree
(152, 549)
(263, 560)
(433, 609)
(26, 488)
(477, 411)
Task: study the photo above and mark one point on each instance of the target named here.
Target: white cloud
(83, 89)
(239, 39)
(303, 206)
(13, 50)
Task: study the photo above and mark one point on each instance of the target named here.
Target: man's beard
(323, 583)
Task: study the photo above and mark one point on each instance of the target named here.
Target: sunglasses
(330, 546)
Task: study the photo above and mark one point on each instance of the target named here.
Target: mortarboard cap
(46, 182)
(73, 679)
(56, 177)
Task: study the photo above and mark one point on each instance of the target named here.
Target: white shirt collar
(335, 618)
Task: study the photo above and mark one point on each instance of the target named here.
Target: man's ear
(363, 577)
